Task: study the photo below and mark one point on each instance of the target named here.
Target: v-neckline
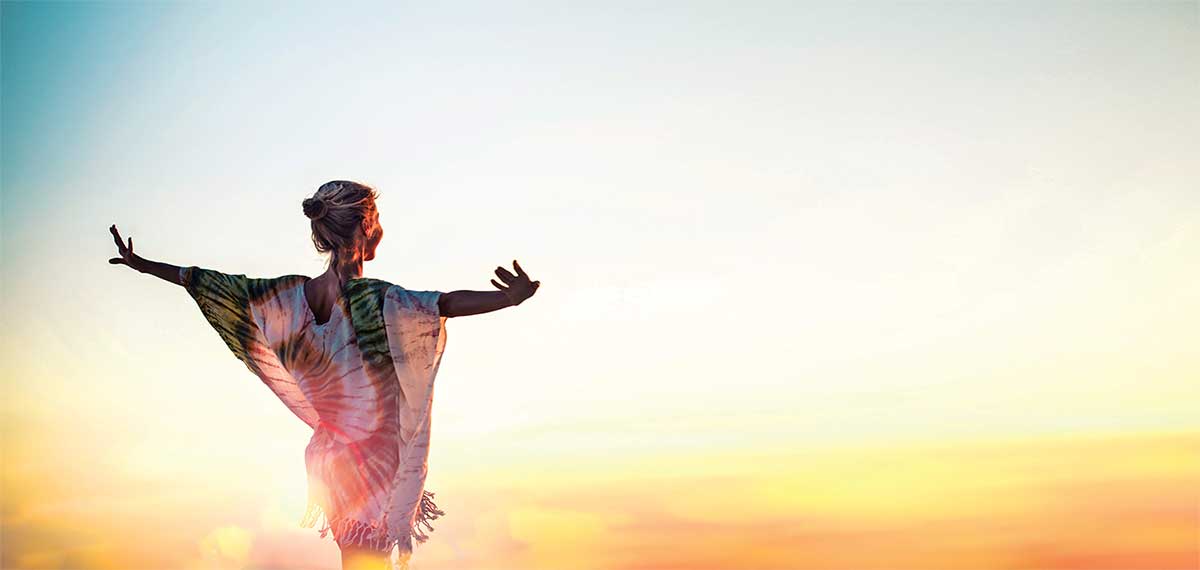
(312, 315)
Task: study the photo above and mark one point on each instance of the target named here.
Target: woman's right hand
(127, 256)
(516, 287)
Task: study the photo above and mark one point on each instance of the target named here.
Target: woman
(355, 359)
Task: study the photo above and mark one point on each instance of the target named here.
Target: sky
(822, 285)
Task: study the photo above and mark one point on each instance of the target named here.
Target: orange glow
(1119, 502)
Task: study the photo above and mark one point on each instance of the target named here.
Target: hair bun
(314, 208)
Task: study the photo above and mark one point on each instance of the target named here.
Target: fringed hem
(374, 536)
(426, 513)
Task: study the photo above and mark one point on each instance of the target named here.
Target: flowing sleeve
(416, 337)
(416, 332)
(251, 317)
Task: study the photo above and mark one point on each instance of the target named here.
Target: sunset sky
(829, 286)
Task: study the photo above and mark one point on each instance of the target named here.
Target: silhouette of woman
(355, 358)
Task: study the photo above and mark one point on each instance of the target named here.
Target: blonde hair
(343, 214)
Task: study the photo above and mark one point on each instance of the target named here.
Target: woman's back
(354, 454)
(324, 358)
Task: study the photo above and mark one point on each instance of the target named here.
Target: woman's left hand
(516, 287)
(125, 250)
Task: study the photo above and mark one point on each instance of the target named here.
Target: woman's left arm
(515, 290)
(164, 271)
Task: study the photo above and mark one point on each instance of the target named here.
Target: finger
(505, 276)
(520, 271)
(116, 261)
(131, 244)
(498, 286)
(116, 237)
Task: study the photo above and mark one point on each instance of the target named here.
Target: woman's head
(345, 223)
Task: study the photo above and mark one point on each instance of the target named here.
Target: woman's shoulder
(366, 289)
(259, 288)
(199, 279)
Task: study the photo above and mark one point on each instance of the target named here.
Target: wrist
(138, 263)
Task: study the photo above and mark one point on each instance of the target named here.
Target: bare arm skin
(164, 271)
(516, 289)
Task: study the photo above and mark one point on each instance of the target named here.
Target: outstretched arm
(517, 288)
(164, 271)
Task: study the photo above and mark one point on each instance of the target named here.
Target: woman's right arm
(164, 271)
(516, 289)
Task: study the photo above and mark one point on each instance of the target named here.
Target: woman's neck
(341, 275)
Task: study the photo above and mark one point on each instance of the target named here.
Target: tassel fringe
(375, 535)
(426, 513)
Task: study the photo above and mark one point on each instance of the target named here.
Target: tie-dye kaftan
(363, 381)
